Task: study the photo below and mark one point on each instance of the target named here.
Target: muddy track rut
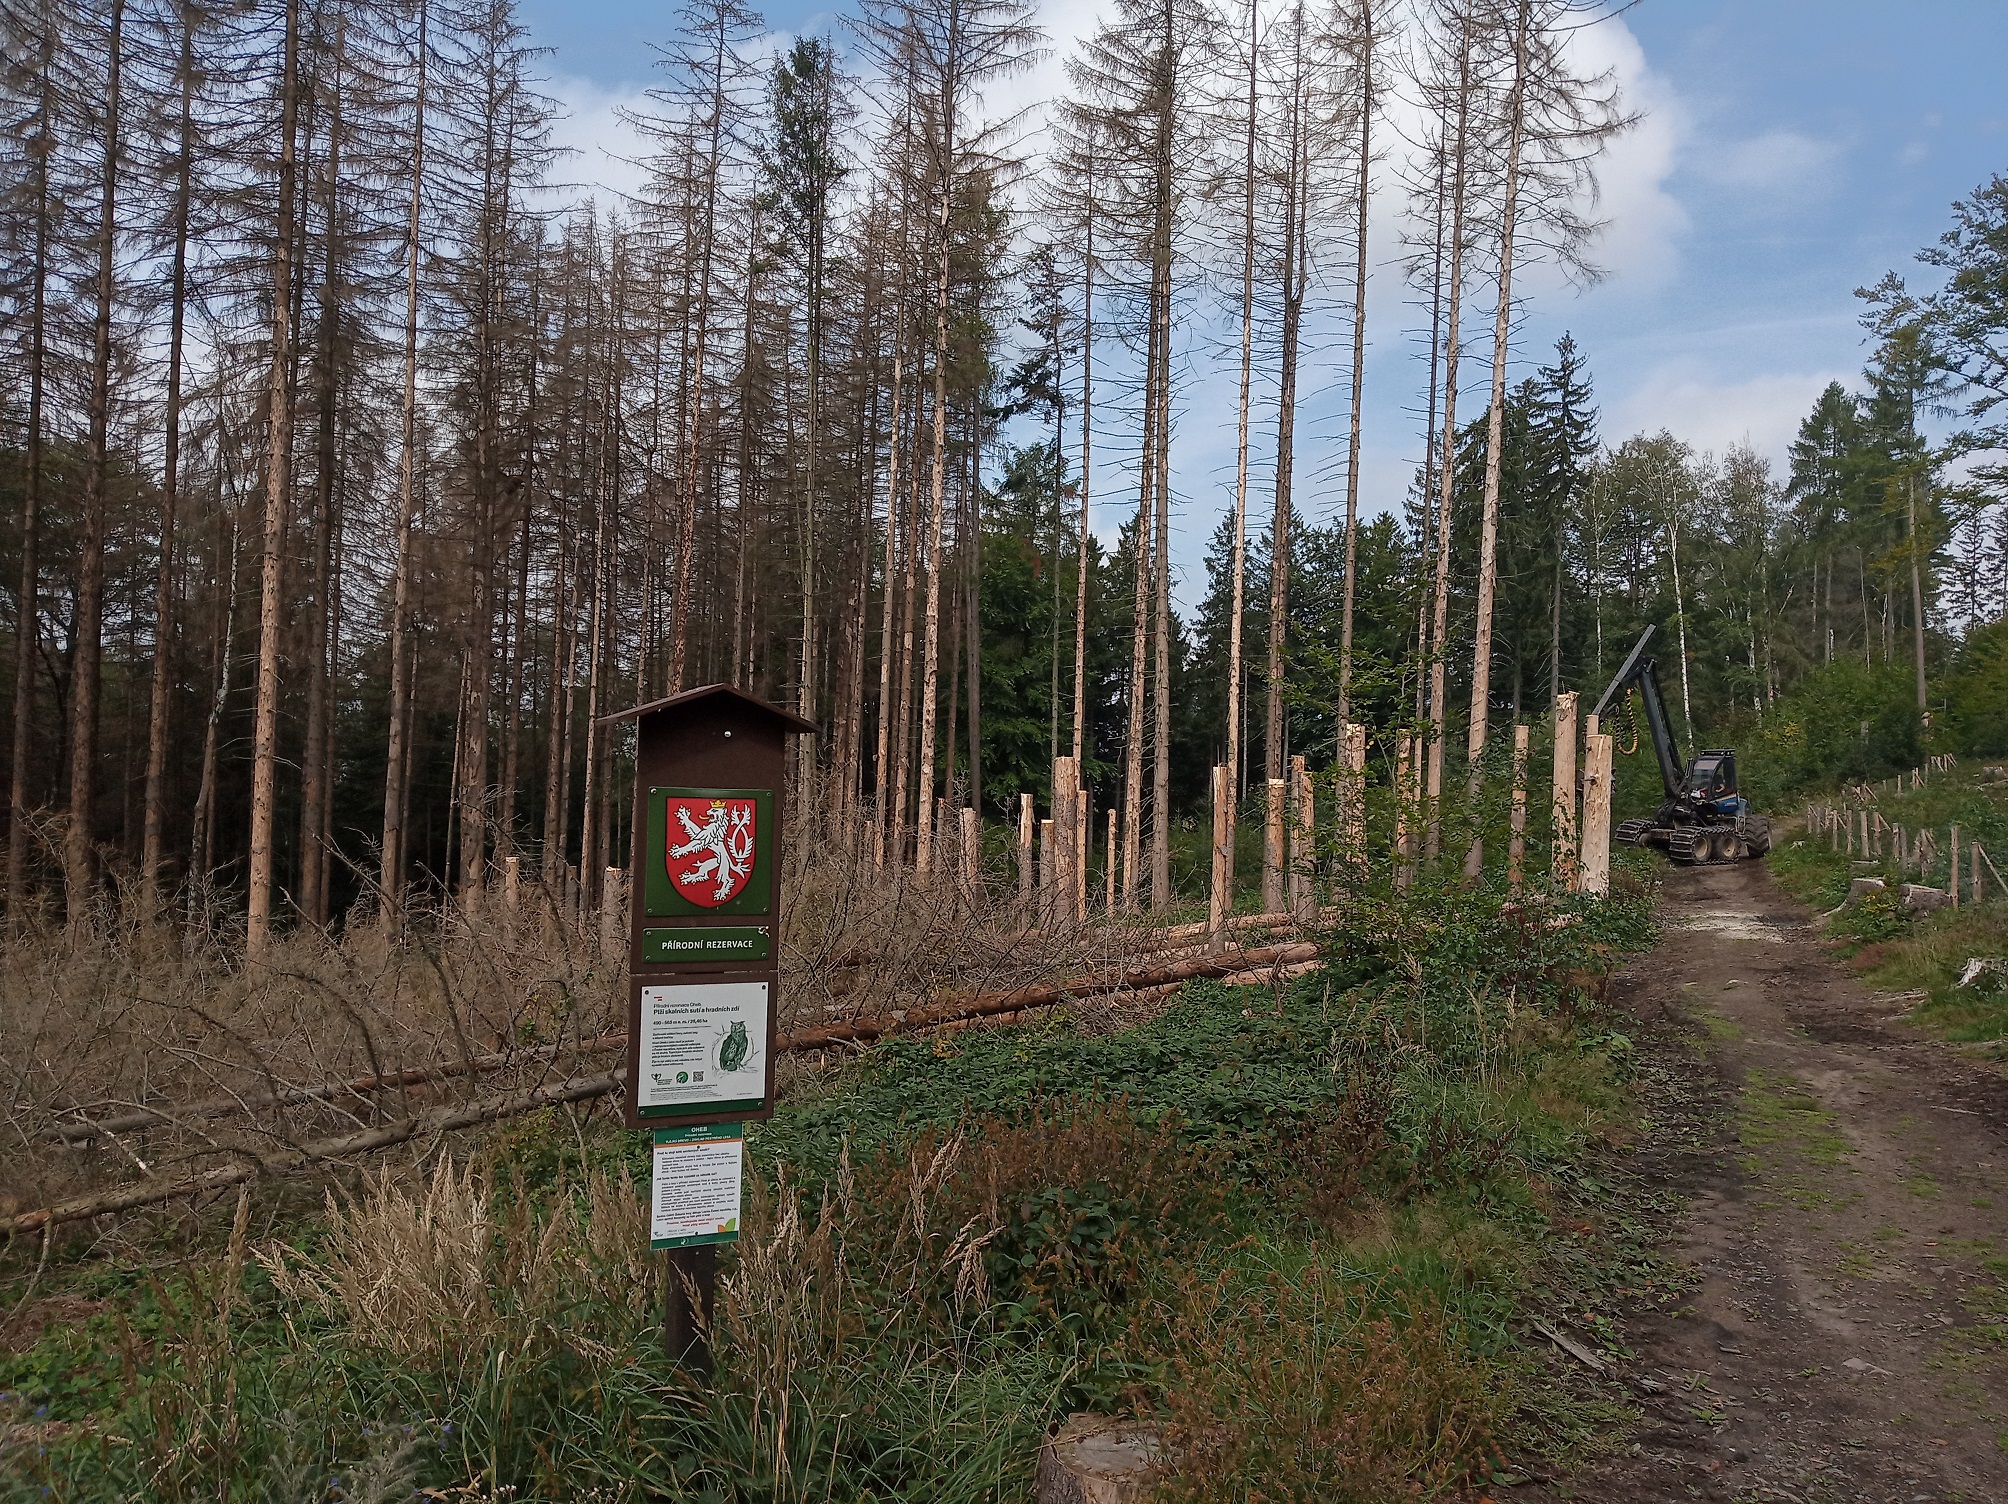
(1846, 1341)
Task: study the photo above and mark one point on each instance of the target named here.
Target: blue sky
(1789, 152)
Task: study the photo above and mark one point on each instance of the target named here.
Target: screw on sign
(709, 815)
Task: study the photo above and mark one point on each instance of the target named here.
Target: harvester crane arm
(1644, 672)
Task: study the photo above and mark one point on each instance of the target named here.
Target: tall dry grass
(123, 1015)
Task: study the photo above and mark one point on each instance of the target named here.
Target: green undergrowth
(1920, 953)
(1300, 1227)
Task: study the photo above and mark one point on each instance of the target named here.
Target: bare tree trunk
(203, 853)
(592, 827)
(937, 479)
(903, 765)
(28, 607)
(1225, 858)
(679, 637)
(315, 770)
(887, 813)
(558, 734)
(1916, 596)
(519, 621)
(1087, 464)
(1295, 265)
(1459, 147)
(79, 846)
(1680, 617)
(1140, 635)
(1502, 328)
(278, 488)
(744, 507)
(1160, 801)
(1439, 211)
(1361, 190)
(163, 595)
(391, 877)
(971, 552)
(472, 747)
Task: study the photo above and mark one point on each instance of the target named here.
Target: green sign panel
(710, 851)
(694, 1187)
(738, 943)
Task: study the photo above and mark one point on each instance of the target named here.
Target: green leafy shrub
(1976, 693)
(1875, 917)
(1843, 721)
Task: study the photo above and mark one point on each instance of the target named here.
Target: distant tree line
(353, 468)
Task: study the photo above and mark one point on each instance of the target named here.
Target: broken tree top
(715, 697)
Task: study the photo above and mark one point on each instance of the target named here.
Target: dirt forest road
(1847, 1223)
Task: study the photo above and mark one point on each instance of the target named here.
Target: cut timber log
(144, 1118)
(1045, 995)
(1271, 976)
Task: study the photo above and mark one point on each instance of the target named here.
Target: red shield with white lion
(709, 851)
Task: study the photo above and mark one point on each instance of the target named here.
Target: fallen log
(250, 1166)
(142, 1118)
(1270, 976)
(259, 1166)
(1045, 995)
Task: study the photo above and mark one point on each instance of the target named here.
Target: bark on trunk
(1447, 463)
(28, 608)
(1366, 44)
(152, 840)
(390, 878)
(278, 496)
(79, 845)
(1502, 325)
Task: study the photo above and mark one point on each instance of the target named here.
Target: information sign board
(694, 1185)
(709, 832)
(704, 1046)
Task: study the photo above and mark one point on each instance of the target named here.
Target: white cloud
(1644, 222)
(603, 147)
(1777, 167)
(1713, 414)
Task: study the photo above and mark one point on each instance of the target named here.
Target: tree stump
(1098, 1459)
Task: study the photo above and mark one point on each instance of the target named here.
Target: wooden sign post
(704, 905)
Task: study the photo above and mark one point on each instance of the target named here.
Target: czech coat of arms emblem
(709, 849)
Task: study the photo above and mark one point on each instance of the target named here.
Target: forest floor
(1846, 1229)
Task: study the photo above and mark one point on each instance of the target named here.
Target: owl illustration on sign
(712, 864)
(733, 1052)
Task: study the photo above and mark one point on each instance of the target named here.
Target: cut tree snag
(1564, 814)
(1221, 898)
(1027, 823)
(1597, 814)
(1303, 862)
(1516, 847)
(1273, 827)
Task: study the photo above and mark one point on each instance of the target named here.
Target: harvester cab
(1704, 817)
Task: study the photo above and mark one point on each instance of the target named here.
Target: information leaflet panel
(695, 1184)
(704, 1047)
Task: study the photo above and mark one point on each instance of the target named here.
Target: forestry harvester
(1703, 819)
